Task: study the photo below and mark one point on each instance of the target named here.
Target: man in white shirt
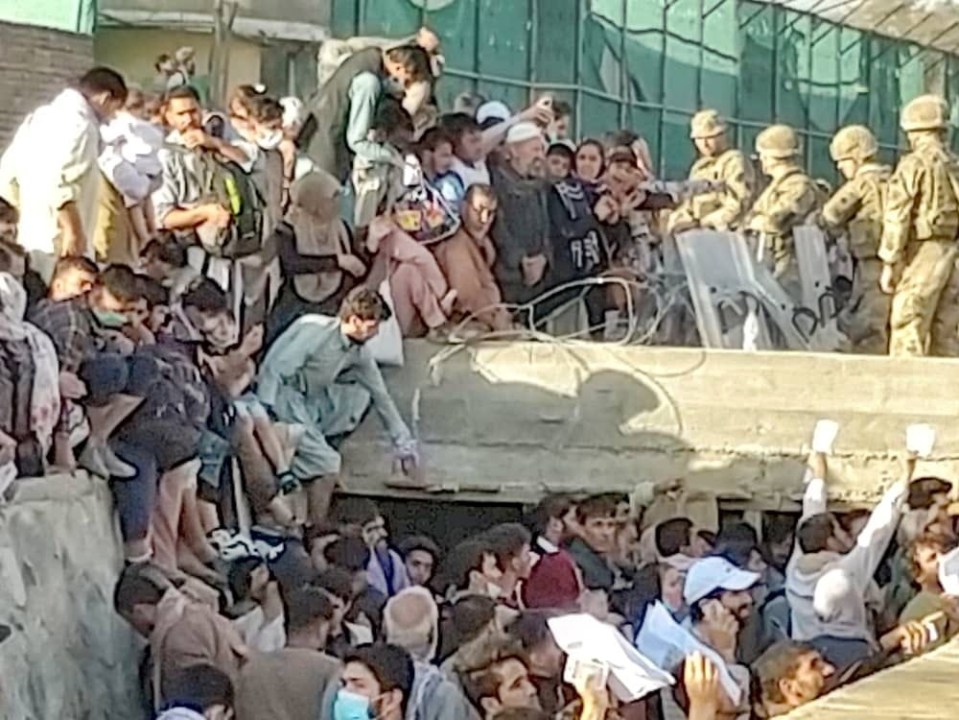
(829, 578)
(50, 170)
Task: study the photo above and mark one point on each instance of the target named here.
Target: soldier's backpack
(233, 188)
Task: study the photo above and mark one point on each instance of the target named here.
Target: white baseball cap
(523, 131)
(710, 574)
(493, 109)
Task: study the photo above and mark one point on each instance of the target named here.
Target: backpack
(229, 185)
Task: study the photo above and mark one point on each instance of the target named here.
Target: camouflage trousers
(925, 308)
(865, 320)
(780, 260)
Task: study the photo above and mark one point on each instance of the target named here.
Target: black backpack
(229, 185)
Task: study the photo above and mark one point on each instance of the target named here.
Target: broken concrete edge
(519, 419)
(60, 486)
(771, 482)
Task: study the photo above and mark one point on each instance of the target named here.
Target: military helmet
(706, 124)
(853, 142)
(926, 112)
(778, 141)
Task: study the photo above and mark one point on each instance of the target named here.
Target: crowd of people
(342, 622)
(192, 304)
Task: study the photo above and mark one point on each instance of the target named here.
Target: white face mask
(272, 140)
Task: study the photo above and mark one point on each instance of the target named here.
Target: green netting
(650, 64)
(71, 15)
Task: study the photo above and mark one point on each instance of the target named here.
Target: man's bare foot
(448, 301)
(63, 456)
(282, 512)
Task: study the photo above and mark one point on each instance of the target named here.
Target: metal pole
(477, 15)
(624, 83)
(532, 47)
(740, 34)
(661, 134)
(216, 59)
(702, 54)
(224, 15)
(775, 69)
(577, 67)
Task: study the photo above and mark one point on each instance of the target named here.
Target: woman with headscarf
(29, 384)
(314, 247)
(590, 162)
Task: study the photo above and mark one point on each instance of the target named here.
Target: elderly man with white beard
(411, 621)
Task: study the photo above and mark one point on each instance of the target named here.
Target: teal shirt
(314, 354)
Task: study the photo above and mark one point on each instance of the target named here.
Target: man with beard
(720, 601)
(319, 374)
(521, 229)
(467, 259)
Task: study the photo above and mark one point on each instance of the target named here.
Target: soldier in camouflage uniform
(789, 199)
(721, 209)
(918, 247)
(856, 210)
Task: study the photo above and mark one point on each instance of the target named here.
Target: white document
(667, 643)
(824, 436)
(631, 675)
(920, 439)
(949, 573)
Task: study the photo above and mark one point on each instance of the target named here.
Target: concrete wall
(69, 657)
(35, 64)
(511, 421)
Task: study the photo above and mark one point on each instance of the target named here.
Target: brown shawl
(314, 216)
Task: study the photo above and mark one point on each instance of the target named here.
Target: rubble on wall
(69, 656)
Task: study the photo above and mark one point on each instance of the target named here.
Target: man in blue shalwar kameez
(320, 375)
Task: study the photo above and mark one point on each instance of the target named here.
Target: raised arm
(539, 112)
(862, 561)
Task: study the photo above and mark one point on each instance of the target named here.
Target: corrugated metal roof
(930, 23)
(925, 688)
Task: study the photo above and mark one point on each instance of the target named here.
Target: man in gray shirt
(320, 375)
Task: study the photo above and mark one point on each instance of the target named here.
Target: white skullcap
(493, 109)
(523, 131)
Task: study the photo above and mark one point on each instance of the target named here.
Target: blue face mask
(350, 706)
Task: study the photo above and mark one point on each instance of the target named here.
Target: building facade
(275, 43)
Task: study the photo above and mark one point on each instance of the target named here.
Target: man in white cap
(714, 581)
(719, 599)
(521, 229)
(492, 112)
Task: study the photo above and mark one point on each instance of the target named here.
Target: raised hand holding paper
(824, 436)
(920, 439)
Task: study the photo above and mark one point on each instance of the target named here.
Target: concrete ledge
(514, 420)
